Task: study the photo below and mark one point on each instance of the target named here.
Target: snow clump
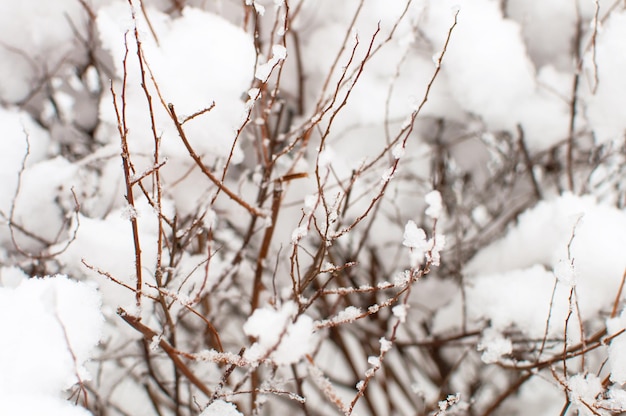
(279, 337)
(49, 329)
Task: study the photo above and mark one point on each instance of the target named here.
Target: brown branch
(127, 167)
(618, 296)
(13, 226)
(252, 210)
(81, 383)
(209, 325)
(199, 113)
(265, 246)
(528, 161)
(404, 133)
(171, 352)
(513, 388)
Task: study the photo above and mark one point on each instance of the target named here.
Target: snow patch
(49, 329)
(221, 408)
(279, 338)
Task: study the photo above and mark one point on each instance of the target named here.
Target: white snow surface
(514, 95)
(49, 329)
(606, 106)
(583, 391)
(36, 37)
(494, 346)
(221, 408)
(434, 202)
(512, 280)
(278, 338)
(108, 242)
(24, 144)
(190, 77)
(203, 73)
(617, 348)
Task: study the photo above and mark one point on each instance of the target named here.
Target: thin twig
(528, 161)
(252, 210)
(171, 352)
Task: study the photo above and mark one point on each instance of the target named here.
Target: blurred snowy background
(219, 207)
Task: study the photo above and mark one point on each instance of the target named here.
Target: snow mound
(284, 341)
(496, 81)
(37, 37)
(49, 328)
(511, 281)
(221, 408)
(193, 63)
(606, 108)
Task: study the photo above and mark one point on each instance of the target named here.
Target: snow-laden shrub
(312, 207)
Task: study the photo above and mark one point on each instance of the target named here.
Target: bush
(300, 207)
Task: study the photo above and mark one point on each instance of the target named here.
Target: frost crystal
(385, 345)
(374, 361)
(326, 387)
(401, 279)
(450, 401)
(398, 151)
(384, 285)
(221, 357)
(436, 245)
(400, 312)
(387, 175)
(433, 199)
(494, 346)
(414, 237)
(298, 234)
(583, 390)
(329, 267)
(348, 315)
(279, 52)
(415, 240)
(129, 212)
(154, 343)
